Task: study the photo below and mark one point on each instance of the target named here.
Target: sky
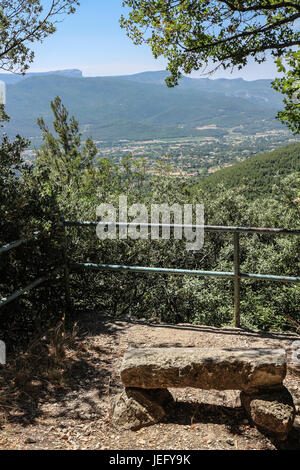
(92, 40)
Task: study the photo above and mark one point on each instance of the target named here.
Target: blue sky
(93, 41)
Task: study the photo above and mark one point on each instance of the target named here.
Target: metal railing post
(237, 280)
(67, 267)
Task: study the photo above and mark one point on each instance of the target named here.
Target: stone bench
(258, 373)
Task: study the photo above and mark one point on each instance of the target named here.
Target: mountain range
(256, 91)
(11, 79)
(140, 106)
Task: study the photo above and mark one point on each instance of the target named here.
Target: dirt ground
(76, 413)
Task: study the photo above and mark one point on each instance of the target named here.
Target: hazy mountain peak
(11, 78)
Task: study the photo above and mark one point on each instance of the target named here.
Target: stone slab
(204, 368)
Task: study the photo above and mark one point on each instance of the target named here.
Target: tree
(289, 85)
(23, 22)
(23, 208)
(194, 33)
(62, 159)
(11, 165)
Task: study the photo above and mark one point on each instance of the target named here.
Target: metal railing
(236, 275)
(33, 284)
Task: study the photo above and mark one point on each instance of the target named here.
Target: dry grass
(44, 366)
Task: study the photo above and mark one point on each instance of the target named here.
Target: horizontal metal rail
(37, 282)
(11, 245)
(16, 243)
(173, 271)
(209, 228)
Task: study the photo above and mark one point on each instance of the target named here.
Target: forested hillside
(257, 173)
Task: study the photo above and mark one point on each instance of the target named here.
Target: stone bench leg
(136, 407)
(272, 411)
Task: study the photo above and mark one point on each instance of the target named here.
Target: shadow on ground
(186, 413)
(69, 372)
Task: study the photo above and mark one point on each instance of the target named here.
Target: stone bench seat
(204, 368)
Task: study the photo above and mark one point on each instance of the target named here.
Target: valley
(191, 156)
(197, 156)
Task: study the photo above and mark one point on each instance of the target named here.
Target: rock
(272, 411)
(135, 408)
(230, 441)
(208, 368)
(295, 345)
(30, 440)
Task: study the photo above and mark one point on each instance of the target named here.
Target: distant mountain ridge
(11, 79)
(257, 91)
(141, 107)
